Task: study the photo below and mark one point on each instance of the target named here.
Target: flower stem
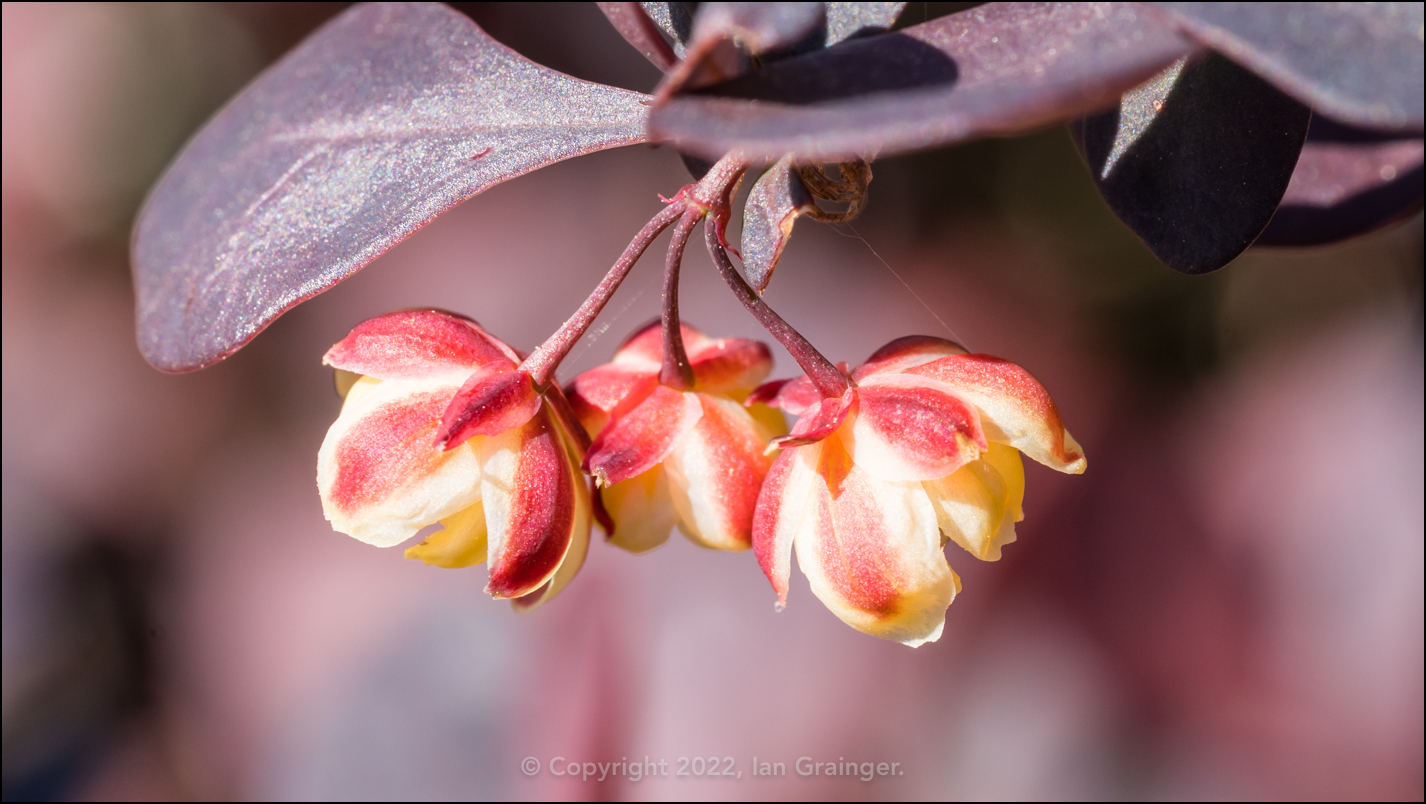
(710, 196)
(676, 373)
(542, 362)
(829, 381)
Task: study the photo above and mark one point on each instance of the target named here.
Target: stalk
(691, 204)
(710, 197)
(676, 372)
(542, 363)
(825, 377)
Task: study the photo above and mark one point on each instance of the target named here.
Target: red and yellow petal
(978, 505)
(380, 474)
(602, 388)
(1014, 407)
(534, 500)
(871, 550)
(715, 472)
(719, 365)
(729, 364)
(579, 533)
(418, 344)
(573, 561)
(642, 511)
(783, 506)
(910, 428)
(639, 437)
(492, 400)
(643, 349)
(905, 353)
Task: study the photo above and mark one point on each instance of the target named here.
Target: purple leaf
(777, 199)
(1347, 182)
(1196, 160)
(996, 69)
(845, 20)
(377, 123)
(1360, 63)
(638, 30)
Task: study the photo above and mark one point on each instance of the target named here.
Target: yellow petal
(642, 511)
(344, 381)
(352, 387)
(461, 544)
(772, 420)
(1005, 460)
(978, 505)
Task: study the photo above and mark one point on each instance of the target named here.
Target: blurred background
(1229, 603)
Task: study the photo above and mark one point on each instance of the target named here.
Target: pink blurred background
(1228, 604)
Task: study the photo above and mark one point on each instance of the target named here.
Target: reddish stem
(829, 381)
(676, 373)
(541, 363)
(710, 195)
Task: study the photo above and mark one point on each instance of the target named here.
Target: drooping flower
(438, 425)
(922, 448)
(695, 458)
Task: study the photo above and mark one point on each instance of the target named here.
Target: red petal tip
(413, 344)
(819, 422)
(766, 394)
(489, 403)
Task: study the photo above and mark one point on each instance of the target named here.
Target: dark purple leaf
(777, 199)
(638, 30)
(1360, 63)
(724, 33)
(674, 19)
(1196, 160)
(1347, 182)
(996, 69)
(383, 119)
(846, 20)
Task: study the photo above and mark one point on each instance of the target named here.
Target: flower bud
(663, 456)
(422, 439)
(868, 487)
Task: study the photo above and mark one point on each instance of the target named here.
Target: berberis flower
(663, 455)
(920, 448)
(439, 425)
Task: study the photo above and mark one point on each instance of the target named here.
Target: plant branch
(829, 381)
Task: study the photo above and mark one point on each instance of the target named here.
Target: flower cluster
(441, 424)
(444, 423)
